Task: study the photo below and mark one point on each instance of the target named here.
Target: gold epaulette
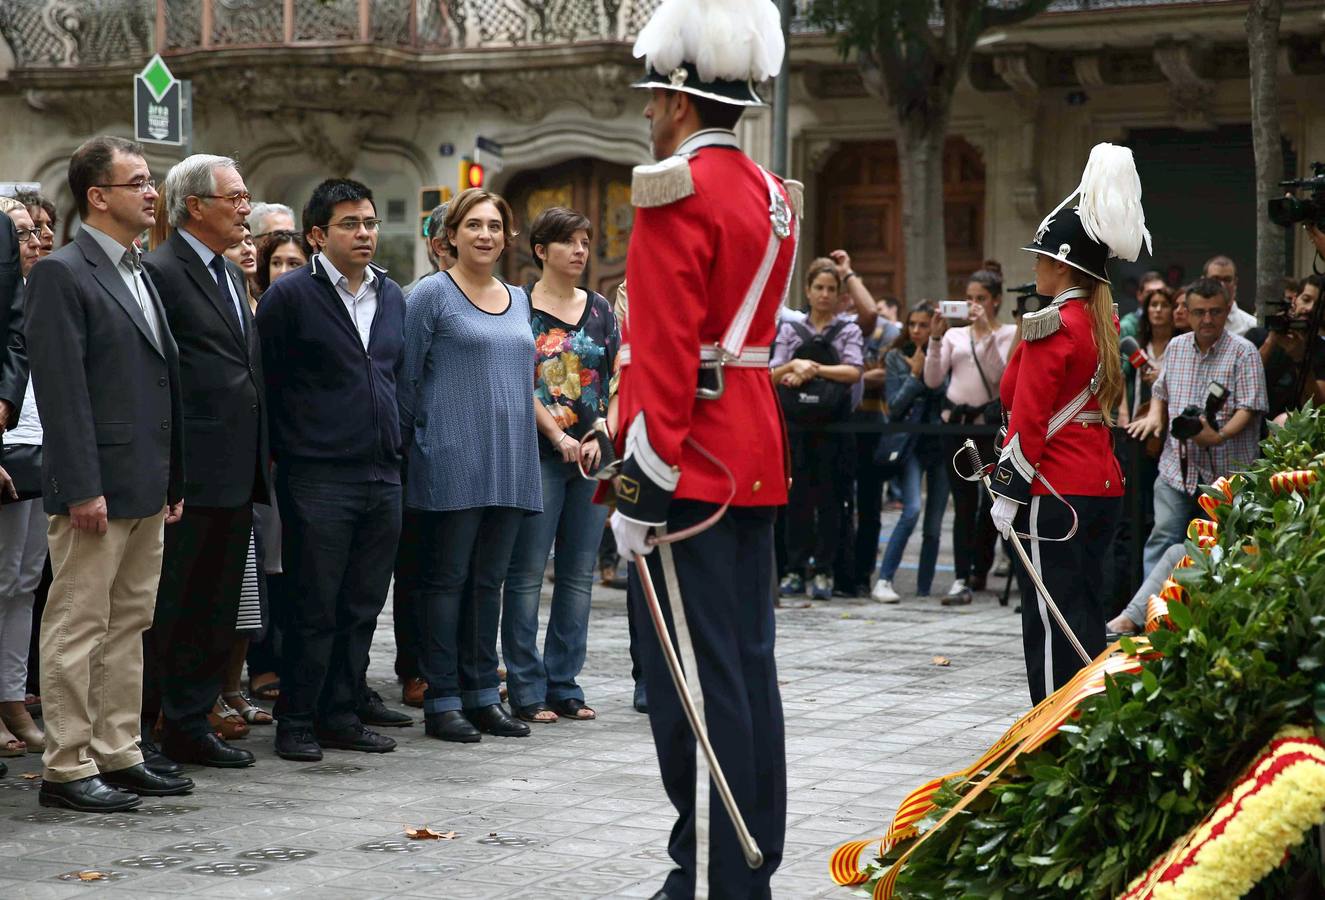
(661, 183)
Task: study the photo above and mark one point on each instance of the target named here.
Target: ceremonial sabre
(974, 455)
(693, 709)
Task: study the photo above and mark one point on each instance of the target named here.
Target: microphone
(1132, 350)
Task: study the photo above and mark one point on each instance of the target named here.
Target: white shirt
(362, 306)
(207, 254)
(1239, 321)
(27, 430)
(133, 277)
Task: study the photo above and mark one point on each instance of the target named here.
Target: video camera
(1188, 425)
(1028, 301)
(1279, 317)
(1288, 211)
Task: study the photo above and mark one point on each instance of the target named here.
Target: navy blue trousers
(1073, 573)
(726, 577)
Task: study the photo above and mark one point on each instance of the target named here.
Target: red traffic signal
(471, 174)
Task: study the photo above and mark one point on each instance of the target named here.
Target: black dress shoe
(356, 738)
(89, 794)
(495, 720)
(206, 750)
(157, 761)
(641, 700)
(143, 781)
(451, 726)
(372, 711)
(297, 744)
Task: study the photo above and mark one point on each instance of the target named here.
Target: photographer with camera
(971, 359)
(1289, 348)
(1210, 393)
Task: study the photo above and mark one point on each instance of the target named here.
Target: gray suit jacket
(110, 398)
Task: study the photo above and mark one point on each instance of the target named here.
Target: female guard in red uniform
(1057, 481)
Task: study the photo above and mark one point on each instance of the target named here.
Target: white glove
(631, 536)
(1003, 513)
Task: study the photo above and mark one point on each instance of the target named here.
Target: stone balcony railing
(89, 34)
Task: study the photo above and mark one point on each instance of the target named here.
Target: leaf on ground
(91, 876)
(942, 661)
(423, 833)
(31, 776)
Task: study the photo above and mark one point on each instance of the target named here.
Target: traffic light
(429, 199)
(471, 174)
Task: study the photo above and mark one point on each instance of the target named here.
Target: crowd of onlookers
(903, 369)
(251, 433)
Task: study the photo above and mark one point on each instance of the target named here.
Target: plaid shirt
(1185, 381)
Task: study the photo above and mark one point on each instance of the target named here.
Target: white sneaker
(958, 587)
(883, 592)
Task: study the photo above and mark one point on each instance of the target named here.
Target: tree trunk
(1263, 17)
(920, 153)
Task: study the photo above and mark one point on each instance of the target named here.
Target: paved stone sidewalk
(574, 811)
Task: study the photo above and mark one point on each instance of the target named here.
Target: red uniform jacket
(1042, 378)
(689, 266)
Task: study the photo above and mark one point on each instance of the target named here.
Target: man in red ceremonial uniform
(710, 256)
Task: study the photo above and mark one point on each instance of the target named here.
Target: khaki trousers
(100, 603)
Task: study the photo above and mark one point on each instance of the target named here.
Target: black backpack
(817, 401)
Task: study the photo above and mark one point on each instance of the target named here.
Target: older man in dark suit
(106, 373)
(225, 447)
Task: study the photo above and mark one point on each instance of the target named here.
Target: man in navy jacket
(331, 350)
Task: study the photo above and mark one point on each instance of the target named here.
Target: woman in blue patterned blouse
(467, 417)
(575, 346)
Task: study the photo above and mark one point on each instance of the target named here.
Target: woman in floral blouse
(575, 345)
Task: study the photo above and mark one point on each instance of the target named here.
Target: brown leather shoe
(412, 693)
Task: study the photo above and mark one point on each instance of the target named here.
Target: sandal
(253, 715)
(532, 712)
(227, 722)
(11, 746)
(265, 686)
(574, 709)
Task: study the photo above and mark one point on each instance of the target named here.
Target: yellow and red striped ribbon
(1298, 480)
(1026, 734)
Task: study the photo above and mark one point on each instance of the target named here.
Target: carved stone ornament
(527, 94)
(83, 110)
(1021, 71)
(1191, 94)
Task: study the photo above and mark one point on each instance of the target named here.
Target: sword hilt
(973, 454)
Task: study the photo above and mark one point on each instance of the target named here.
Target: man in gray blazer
(106, 373)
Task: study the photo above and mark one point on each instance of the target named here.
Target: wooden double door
(860, 211)
(600, 190)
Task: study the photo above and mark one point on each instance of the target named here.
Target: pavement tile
(575, 810)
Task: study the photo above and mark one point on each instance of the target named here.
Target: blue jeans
(463, 556)
(1174, 511)
(935, 473)
(574, 522)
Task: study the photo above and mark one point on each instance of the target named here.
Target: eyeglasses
(349, 226)
(141, 185)
(238, 198)
(27, 234)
